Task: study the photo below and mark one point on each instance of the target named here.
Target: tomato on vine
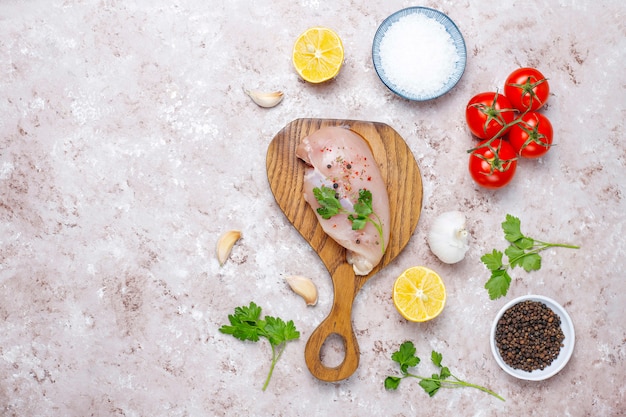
(527, 89)
(492, 163)
(532, 136)
(489, 114)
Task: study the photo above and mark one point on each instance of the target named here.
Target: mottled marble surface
(127, 147)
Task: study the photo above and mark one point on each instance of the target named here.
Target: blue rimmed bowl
(450, 27)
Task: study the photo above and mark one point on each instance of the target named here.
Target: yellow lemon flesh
(419, 294)
(318, 55)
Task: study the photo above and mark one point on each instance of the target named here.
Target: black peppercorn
(529, 336)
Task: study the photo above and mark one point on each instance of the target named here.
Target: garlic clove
(265, 99)
(304, 287)
(225, 245)
(448, 238)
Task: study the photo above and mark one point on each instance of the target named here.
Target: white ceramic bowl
(450, 27)
(564, 355)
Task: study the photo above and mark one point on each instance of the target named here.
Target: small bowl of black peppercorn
(532, 337)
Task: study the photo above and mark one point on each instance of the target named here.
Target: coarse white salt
(418, 55)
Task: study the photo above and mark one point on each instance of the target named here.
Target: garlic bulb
(265, 99)
(448, 238)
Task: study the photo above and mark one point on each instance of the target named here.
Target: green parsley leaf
(436, 357)
(363, 210)
(405, 357)
(515, 255)
(524, 243)
(492, 260)
(431, 386)
(392, 382)
(498, 284)
(523, 251)
(363, 206)
(327, 198)
(512, 228)
(251, 313)
(358, 223)
(278, 331)
(531, 262)
(246, 324)
(444, 372)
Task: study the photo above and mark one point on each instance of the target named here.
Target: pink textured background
(127, 146)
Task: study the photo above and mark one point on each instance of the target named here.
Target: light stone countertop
(127, 147)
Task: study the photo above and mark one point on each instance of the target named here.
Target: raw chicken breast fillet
(340, 158)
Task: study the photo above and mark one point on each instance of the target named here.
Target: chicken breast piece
(339, 158)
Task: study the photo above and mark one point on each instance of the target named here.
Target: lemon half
(419, 294)
(318, 54)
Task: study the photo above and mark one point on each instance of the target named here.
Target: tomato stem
(528, 88)
(495, 163)
(501, 132)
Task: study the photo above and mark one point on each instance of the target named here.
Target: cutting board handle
(338, 322)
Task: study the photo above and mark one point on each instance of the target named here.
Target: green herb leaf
(515, 255)
(278, 331)
(498, 284)
(522, 251)
(436, 357)
(251, 313)
(328, 201)
(405, 356)
(246, 324)
(363, 211)
(392, 382)
(493, 260)
(358, 223)
(431, 386)
(363, 206)
(444, 372)
(512, 228)
(531, 262)
(524, 243)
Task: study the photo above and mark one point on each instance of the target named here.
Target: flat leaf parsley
(523, 251)
(406, 358)
(363, 210)
(246, 324)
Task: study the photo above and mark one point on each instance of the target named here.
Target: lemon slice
(419, 294)
(318, 54)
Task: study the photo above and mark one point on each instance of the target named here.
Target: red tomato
(487, 114)
(532, 137)
(493, 166)
(527, 89)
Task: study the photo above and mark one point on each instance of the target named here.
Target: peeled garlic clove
(448, 238)
(304, 287)
(265, 99)
(225, 245)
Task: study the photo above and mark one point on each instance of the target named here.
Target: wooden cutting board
(285, 173)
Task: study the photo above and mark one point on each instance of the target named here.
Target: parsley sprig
(362, 214)
(246, 324)
(406, 358)
(523, 251)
